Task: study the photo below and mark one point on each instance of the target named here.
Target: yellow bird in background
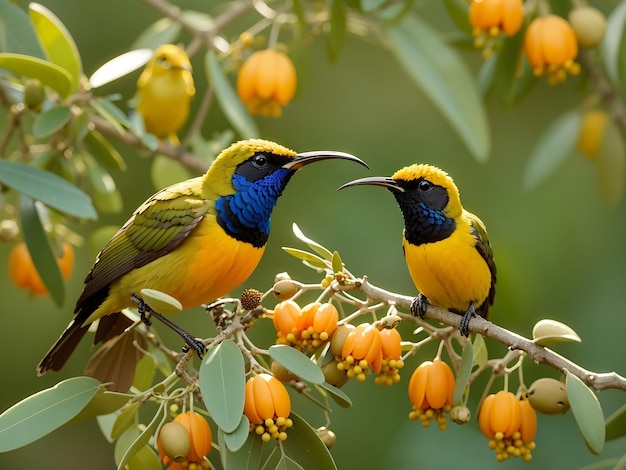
(196, 241)
(446, 247)
(164, 91)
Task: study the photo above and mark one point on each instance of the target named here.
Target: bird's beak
(383, 181)
(305, 158)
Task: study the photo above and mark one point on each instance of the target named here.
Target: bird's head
(169, 57)
(247, 178)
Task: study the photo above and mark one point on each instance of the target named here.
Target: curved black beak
(305, 158)
(383, 181)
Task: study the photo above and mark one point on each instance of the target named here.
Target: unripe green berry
(589, 24)
(548, 396)
(285, 289)
(34, 93)
(175, 441)
(460, 414)
(326, 436)
(281, 373)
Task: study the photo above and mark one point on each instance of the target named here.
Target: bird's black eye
(259, 160)
(424, 185)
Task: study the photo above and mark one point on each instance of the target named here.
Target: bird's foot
(143, 309)
(419, 305)
(465, 320)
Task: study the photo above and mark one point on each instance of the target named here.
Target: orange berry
(285, 315)
(200, 435)
(24, 273)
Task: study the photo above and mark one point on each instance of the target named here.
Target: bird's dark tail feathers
(60, 351)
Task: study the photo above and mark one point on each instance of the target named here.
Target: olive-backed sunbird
(446, 247)
(164, 91)
(196, 240)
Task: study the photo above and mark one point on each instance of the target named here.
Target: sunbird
(446, 248)
(164, 91)
(196, 240)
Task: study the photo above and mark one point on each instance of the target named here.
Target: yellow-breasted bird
(446, 247)
(164, 91)
(196, 241)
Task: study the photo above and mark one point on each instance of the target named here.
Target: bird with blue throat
(446, 248)
(195, 241)
(164, 92)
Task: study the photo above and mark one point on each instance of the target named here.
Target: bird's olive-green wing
(484, 248)
(156, 228)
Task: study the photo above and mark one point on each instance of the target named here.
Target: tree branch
(539, 354)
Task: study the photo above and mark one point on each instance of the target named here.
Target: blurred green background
(560, 251)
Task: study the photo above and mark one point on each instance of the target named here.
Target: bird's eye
(259, 160)
(425, 185)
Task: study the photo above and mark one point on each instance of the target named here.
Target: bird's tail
(60, 351)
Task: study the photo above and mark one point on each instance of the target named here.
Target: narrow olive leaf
(296, 363)
(611, 164)
(145, 458)
(322, 251)
(443, 76)
(57, 42)
(587, 412)
(248, 457)
(163, 31)
(554, 147)
(315, 261)
(235, 440)
(106, 197)
(480, 350)
(232, 107)
(144, 373)
(48, 188)
(111, 119)
(337, 263)
(546, 332)
(50, 121)
(120, 66)
(45, 411)
(18, 33)
(161, 302)
(340, 398)
(614, 44)
(507, 69)
(463, 375)
(144, 437)
(486, 75)
(104, 152)
(615, 424)
(459, 12)
(336, 36)
(305, 447)
(48, 73)
(126, 418)
(40, 249)
(223, 384)
(108, 110)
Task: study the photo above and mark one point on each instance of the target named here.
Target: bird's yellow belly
(206, 266)
(450, 273)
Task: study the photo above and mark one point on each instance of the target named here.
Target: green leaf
(51, 121)
(57, 42)
(486, 75)
(104, 152)
(40, 249)
(322, 251)
(103, 403)
(506, 81)
(145, 458)
(17, 33)
(32, 67)
(615, 424)
(163, 31)
(587, 412)
(223, 384)
(315, 261)
(106, 196)
(120, 66)
(229, 102)
(248, 457)
(45, 411)
(236, 439)
(279, 461)
(166, 171)
(550, 152)
(459, 12)
(547, 332)
(611, 164)
(480, 350)
(463, 375)
(443, 76)
(336, 37)
(126, 418)
(296, 363)
(337, 263)
(48, 188)
(340, 398)
(144, 373)
(614, 44)
(161, 302)
(305, 447)
(140, 441)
